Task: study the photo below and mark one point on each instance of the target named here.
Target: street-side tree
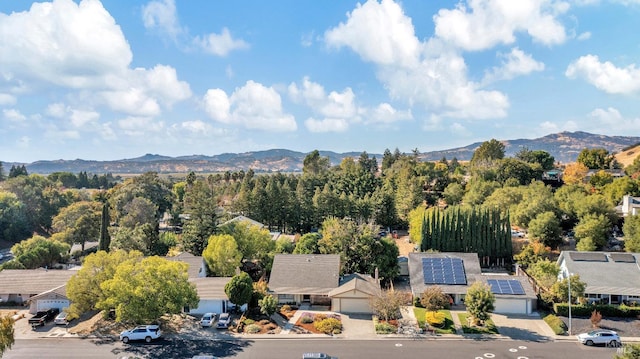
(84, 288)
(480, 302)
(222, 255)
(239, 289)
(7, 333)
(595, 227)
(143, 291)
(434, 299)
(268, 304)
(386, 305)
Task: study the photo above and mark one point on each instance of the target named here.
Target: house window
(286, 298)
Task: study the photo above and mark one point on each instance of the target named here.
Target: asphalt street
(176, 348)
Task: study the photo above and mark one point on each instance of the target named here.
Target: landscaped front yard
(318, 323)
(447, 327)
(488, 328)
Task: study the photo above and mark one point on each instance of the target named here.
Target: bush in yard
(252, 328)
(556, 324)
(307, 318)
(320, 317)
(248, 321)
(596, 318)
(285, 308)
(435, 319)
(385, 328)
(328, 325)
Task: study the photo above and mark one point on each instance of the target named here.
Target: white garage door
(44, 304)
(208, 306)
(351, 305)
(515, 306)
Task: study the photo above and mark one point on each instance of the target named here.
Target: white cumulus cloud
(13, 115)
(384, 113)
(515, 63)
(7, 99)
(161, 15)
(482, 24)
(326, 125)
(253, 106)
(220, 44)
(604, 75)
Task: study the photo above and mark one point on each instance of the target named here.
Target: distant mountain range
(564, 146)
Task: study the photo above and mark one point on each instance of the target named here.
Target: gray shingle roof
(304, 273)
(196, 264)
(32, 281)
(616, 274)
(416, 275)
(211, 287)
(357, 282)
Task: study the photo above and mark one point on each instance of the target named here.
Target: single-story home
(212, 296)
(455, 272)
(610, 277)
(630, 206)
(304, 278)
(44, 288)
(354, 294)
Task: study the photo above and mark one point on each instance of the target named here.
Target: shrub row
(581, 310)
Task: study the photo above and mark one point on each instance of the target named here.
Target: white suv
(143, 332)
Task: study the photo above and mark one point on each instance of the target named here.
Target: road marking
(513, 350)
(489, 355)
(398, 344)
(522, 347)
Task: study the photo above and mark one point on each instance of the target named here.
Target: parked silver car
(208, 319)
(224, 321)
(600, 336)
(143, 332)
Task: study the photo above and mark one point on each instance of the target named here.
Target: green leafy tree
(434, 299)
(586, 244)
(13, 218)
(84, 288)
(222, 255)
(239, 289)
(7, 333)
(574, 173)
(543, 158)
(559, 291)
(79, 222)
(480, 301)
(545, 272)
(545, 228)
(631, 230)
(595, 227)
(633, 169)
(595, 158)
(253, 242)
(308, 244)
(284, 245)
(531, 253)
(268, 305)
(143, 291)
(38, 251)
(314, 164)
(615, 191)
(453, 193)
(488, 151)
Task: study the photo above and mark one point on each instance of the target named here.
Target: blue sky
(118, 79)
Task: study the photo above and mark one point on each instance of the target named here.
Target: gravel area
(626, 327)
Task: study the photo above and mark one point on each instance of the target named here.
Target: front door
(306, 298)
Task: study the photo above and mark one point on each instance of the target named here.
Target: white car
(61, 319)
(208, 319)
(224, 321)
(143, 332)
(600, 336)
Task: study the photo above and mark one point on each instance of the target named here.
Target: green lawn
(488, 328)
(448, 328)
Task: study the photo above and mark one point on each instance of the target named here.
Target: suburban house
(210, 289)
(304, 278)
(248, 220)
(44, 289)
(354, 294)
(630, 206)
(455, 272)
(610, 277)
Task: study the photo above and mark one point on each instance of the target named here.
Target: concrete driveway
(520, 327)
(357, 326)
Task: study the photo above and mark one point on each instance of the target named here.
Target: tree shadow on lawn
(181, 348)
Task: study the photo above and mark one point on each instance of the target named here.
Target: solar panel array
(448, 271)
(505, 286)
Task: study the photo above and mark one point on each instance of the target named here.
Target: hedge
(580, 310)
(556, 324)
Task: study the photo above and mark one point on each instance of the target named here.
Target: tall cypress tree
(105, 239)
